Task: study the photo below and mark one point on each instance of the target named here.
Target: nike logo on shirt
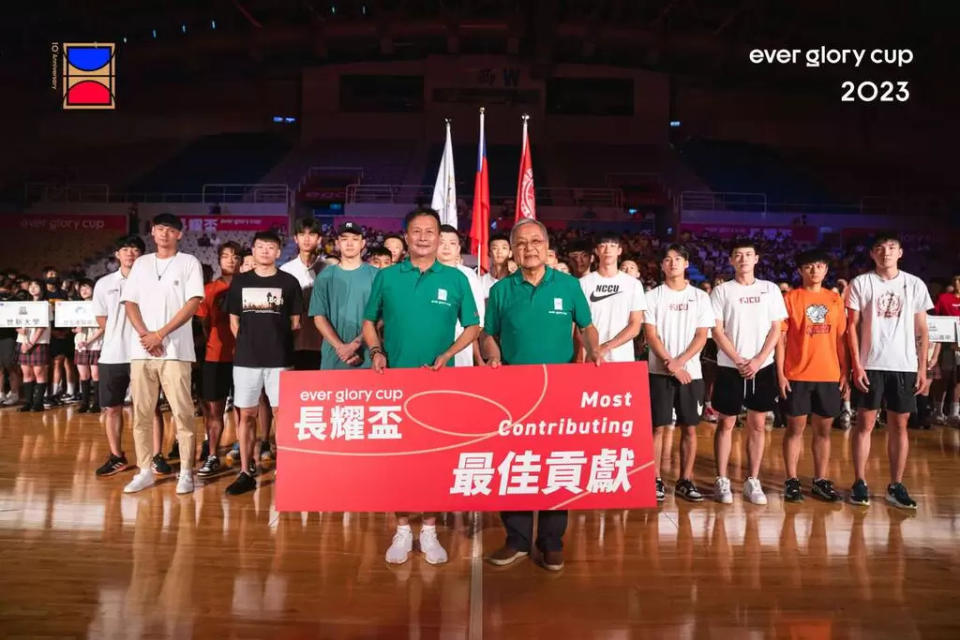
(595, 298)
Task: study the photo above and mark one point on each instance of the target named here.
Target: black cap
(168, 220)
(349, 227)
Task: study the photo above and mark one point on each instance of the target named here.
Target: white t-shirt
(161, 288)
(677, 315)
(611, 301)
(887, 309)
(118, 332)
(84, 335)
(44, 337)
(486, 283)
(308, 338)
(747, 312)
(465, 357)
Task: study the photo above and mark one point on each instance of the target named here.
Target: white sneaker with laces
(721, 490)
(432, 550)
(11, 399)
(185, 482)
(141, 481)
(400, 548)
(753, 492)
(939, 418)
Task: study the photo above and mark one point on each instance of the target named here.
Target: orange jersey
(814, 323)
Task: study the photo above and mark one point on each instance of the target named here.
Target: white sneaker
(11, 399)
(141, 481)
(721, 490)
(185, 482)
(432, 550)
(939, 418)
(400, 548)
(753, 492)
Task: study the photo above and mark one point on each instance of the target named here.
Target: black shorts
(216, 381)
(820, 398)
(732, 392)
(62, 347)
(306, 360)
(114, 380)
(668, 395)
(895, 387)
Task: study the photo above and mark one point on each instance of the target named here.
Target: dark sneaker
(252, 468)
(266, 455)
(859, 494)
(552, 560)
(113, 465)
(823, 489)
(210, 467)
(83, 409)
(160, 466)
(688, 491)
(174, 451)
(791, 490)
(94, 408)
(897, 496)
(506, 555)
(26, 407)
(242, 484)
(661, 492)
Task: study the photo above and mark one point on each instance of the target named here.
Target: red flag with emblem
(526, 200)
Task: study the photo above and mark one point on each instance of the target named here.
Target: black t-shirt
(265, 305)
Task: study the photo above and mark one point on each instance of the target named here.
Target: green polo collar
(547, 277)
(406, 265)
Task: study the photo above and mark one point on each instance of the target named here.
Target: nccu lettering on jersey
(604, 291)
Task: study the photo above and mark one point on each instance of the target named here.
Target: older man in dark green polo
(531, 313)
(420, 302)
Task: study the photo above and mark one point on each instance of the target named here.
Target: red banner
(800, 233)
(529, 437)
(214, 223)
(60, 223)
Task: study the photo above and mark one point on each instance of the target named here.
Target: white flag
(445, 191)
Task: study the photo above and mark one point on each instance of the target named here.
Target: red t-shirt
(221, 343)
(948, 304)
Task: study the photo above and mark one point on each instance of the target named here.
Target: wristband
(375, 350)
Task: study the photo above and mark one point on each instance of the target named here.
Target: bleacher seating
(229, 158)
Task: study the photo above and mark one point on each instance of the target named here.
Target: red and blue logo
(89, 75)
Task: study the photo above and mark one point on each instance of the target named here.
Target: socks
(846, 406)
(71, 388)
(95, 393)
(39, 392)
(954, 408)
(430, 528)
(84, 391)
(404, 528)
(28, 393)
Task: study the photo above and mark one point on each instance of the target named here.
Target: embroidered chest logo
(442, 295)
(817, 315)
(558, 304)
(889, 305)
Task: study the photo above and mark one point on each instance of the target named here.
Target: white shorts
(248, 382)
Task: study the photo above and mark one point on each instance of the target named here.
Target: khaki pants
(146, 379)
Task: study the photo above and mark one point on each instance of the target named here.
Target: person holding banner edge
(529, 318)
(419, 301)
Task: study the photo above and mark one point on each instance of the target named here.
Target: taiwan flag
(526, 200)
(480, 228)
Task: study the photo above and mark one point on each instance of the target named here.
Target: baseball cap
(168, 220)
(349, 227)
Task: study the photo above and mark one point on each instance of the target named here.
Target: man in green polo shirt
(420, 302)
(532, 312)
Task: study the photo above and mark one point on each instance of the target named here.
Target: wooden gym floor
(78, 558)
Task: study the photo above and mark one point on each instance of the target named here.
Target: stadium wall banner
(530, 437)
(66, 222)
(800, 233)
(214, 223)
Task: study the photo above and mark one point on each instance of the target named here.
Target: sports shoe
(661, 492)
(721, 491)
(842, 421)
(242, 484)
(939, 418)
(506, 555)
(710, 414)
(266, 455)
(113, 465)
(552, 560)
(823, 489)
(432, 550)
(688, 491)
(174, 451)
(234, 454)
(252, 468)
(141, 481)
(400, 548)
(11, 399)
(791, 490)
(897, 496)
(953, 421)
(185, 482)
(753, 491)
(860, 494)
(160, 466)
(210, 467)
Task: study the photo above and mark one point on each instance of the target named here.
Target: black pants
(550, 529)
